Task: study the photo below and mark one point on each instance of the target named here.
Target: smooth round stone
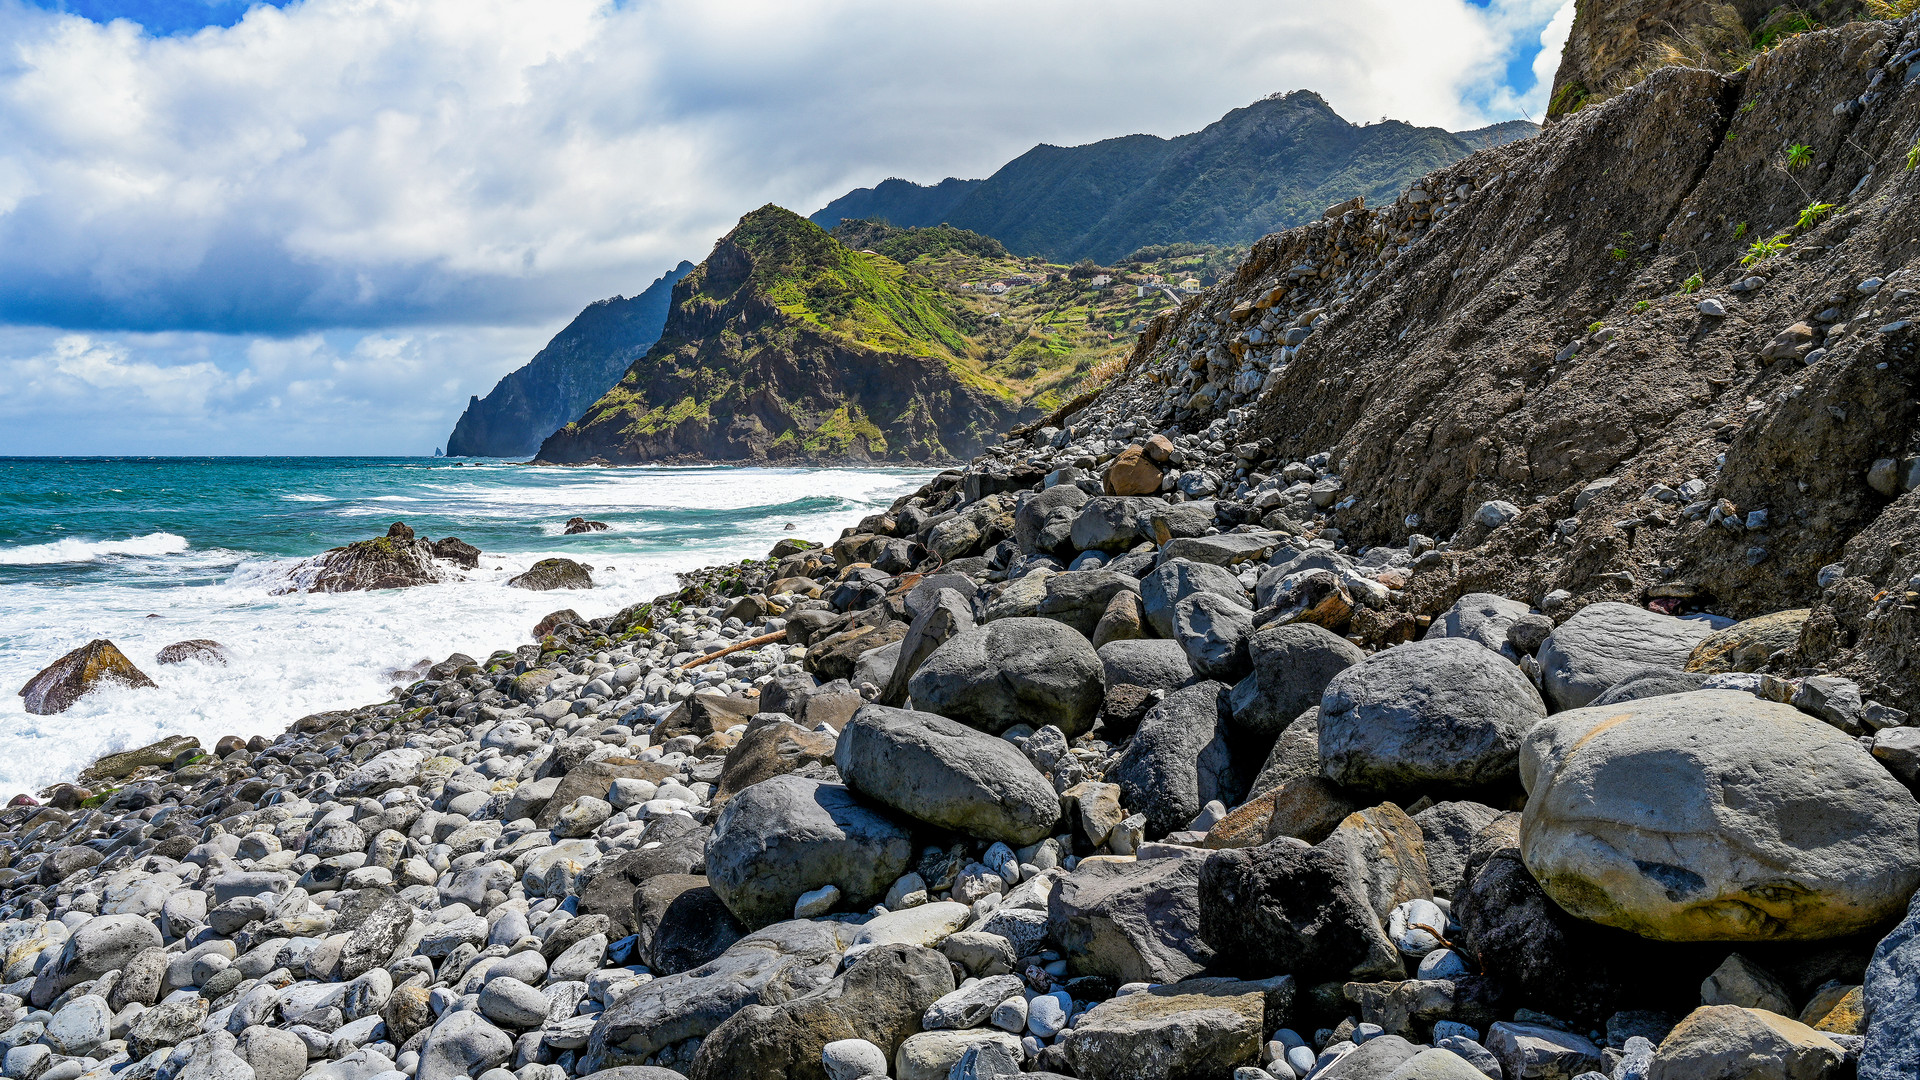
(1301, 1059)
(1442, 964)
(1047, 1014)
(853, 1059)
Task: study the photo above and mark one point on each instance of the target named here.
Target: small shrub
(1642, 306)
(1913, 156)
(1799, 156)
(1740, 230)
(1814, 214)
(1762, 250)
(1692, 285)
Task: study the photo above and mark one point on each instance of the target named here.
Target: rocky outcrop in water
(96, 664)
(397, 560)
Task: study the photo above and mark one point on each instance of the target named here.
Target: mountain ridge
(1106, 198)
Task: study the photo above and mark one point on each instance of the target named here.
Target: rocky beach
(1472, 640)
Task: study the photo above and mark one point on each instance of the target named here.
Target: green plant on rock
(1740, 230)
(1641, 305)
(1799, 155)
(1762, 250)
(1814, 214)
(1594, 326)
(1693, 284)
(1619, 254)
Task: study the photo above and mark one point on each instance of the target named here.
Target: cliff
(785, 345)
(575, 368)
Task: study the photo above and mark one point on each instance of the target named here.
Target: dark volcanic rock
(1284, 906)
(553, 574)
(397, 560)
(200, 649)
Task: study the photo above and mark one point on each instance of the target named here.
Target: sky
(317, 227)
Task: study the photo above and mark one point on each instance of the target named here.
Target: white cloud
(398, 164)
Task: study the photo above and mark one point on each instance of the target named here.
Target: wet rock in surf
(577, 525)
(77, 674)
(200, 650)
(397, 560)
(553, 574)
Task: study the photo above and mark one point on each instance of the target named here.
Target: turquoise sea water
(149, 551)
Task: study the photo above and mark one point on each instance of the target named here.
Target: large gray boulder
(1715, 816)
(1649, 682)
(1155, 663)
(1482, 617)
(1199, 1028)
(1178, 761)
(879, 999)
(1213, 629)
(791, 835)
(681, 923)
(1448, 829)
(1292, 666)
(1111, 522)
(1443, 713)
(1604, 643)
(1174, 581)
(777, 964)
(1013, 671)
(1891, 998)
(1043, 523)
(946, 614)
(1131, 921)
(1079, 597)
(101, 944)
(1285, 906)
(946, 774)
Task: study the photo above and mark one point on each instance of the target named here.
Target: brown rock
(1159, 448)
(1838, 1008)
(771, 750)
(68, 679)
(703, 715)
(1132, 473)
(1723, 1042)
(1124, 619)
(408, 1011)
(1746, 645)
(1246, 825)
(1309, 809)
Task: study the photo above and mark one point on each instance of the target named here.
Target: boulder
(553, 574)
(1308, 808)
(457, 551)
(1013, 671)
(1043, 523)
(1891, 996)
(1292, 666)
(1443, 713)
(1747, 644)
(1530, 1050)
(101, 944)
(1715, 816)
(932, 1055)
(1132, 473)
(163, 753)
(1481, 617)
(1135, 921)
(1124, 620)
(1155, 663)
(674, 845)
(1604, 643)
(779, 963)
(1213, 629)
(88, 668)
(1448, 830)
(1178, 761)
(199, 650)
(879, 999)
(462, 1044)
(946, 774)
(593, 779)
(1080, 597)
(790, 835)
(1385, 854)
(1286, 906)
(577, 525)
(946, 613)
(1200, 1028)
(1740, 981)
(1646, 682)
(1174, 581)
(1295, 753)
(1380, 1056)
(681, 923)
(1111, 523)
(1435, 1063)
(1727, 1042)
(770, 750)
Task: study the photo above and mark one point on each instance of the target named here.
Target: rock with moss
(553, 574)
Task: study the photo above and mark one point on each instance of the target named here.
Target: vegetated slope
(1270, 165)
(1659, 289)
(576, 367)
(786, 345)
(897, 201)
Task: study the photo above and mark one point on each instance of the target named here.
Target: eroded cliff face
(1582, 326)
(1610, 39)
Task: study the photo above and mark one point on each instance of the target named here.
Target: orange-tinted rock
(78, 673)
(1133, 473)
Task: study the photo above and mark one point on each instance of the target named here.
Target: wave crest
(85, 551)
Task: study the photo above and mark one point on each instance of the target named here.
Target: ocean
(149, 551)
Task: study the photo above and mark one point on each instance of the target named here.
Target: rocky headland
(1474, 641)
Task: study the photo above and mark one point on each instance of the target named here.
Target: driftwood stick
(763, 639)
